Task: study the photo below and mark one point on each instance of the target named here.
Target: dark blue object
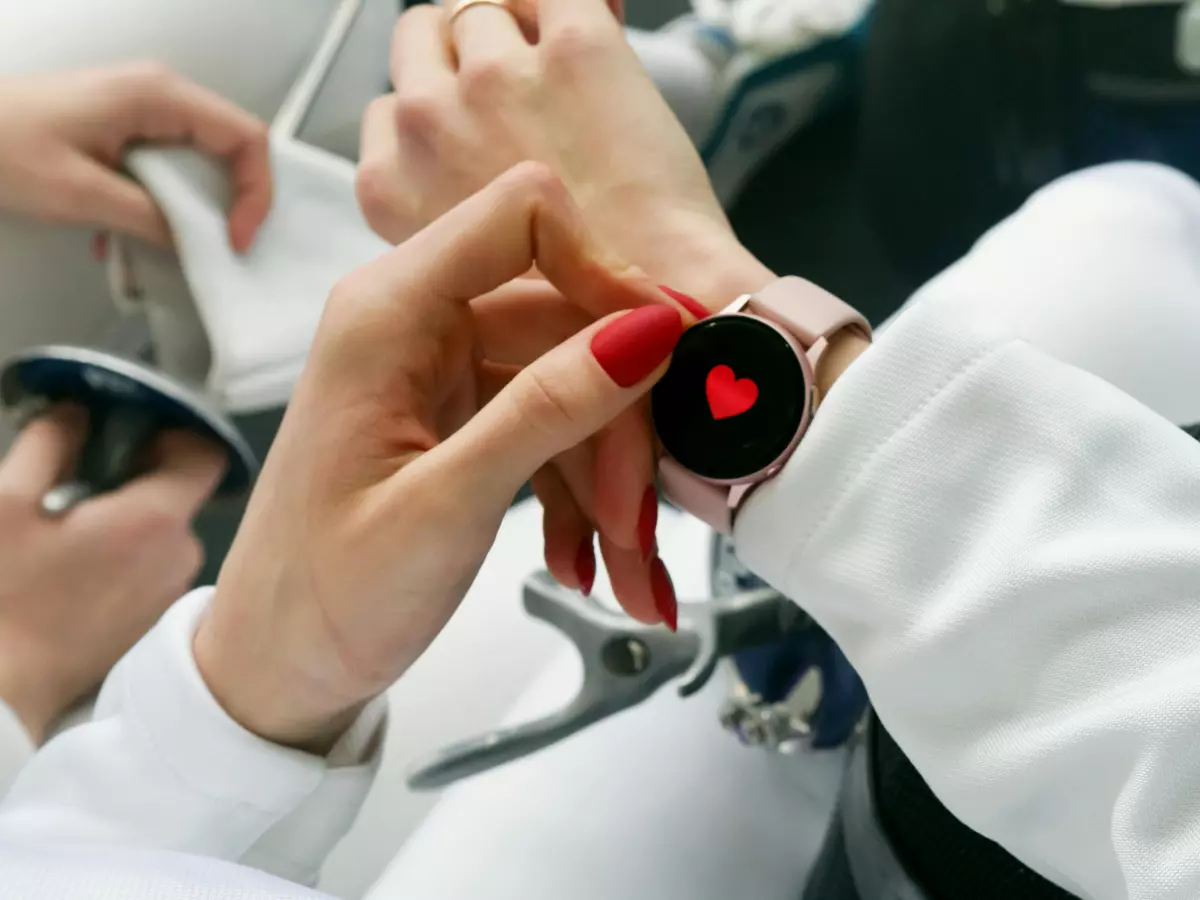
(128, 404)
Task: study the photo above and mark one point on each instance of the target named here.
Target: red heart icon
(729, 396)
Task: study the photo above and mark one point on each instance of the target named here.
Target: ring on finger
(463, 6)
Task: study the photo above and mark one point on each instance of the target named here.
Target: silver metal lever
(624, 663)
(294, 112)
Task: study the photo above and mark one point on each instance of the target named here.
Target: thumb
(561, 400)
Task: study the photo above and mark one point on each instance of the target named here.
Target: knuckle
(485, 82)
(375, 190)
(346, 293)
(535, 179)
(257, 135)
(574, 48)
(145, 75)
(419, 115)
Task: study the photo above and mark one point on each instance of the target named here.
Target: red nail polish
(648, 522)
(664, 594)
(585, 565)
(100, 246)
(630, 348)
(691, 304)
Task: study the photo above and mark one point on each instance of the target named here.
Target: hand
(473, 100)
(63, 137)
(412, 428)
(77, 592)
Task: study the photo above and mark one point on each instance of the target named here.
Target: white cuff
(162, 765)
(16, 747)
(927, 348)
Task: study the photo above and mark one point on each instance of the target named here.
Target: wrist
(251, 674)
(705, 260)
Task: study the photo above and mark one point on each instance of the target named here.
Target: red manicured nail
(664, 594)
(630, 348)
(691, 304)
(585, 565)
(648, 522)
(100, 246)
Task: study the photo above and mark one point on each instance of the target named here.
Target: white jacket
(1007, 548)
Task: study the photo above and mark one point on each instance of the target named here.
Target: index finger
(523, 218)
(170, 108)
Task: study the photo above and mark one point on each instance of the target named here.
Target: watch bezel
(738, 310)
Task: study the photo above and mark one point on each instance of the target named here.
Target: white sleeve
(1008, 550)
(16, 748)
(162, 766)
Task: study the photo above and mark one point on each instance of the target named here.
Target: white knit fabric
(162, 766)
(15, 747)
(99, 872)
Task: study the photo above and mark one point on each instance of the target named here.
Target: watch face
(733, 399)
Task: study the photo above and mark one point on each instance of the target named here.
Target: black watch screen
(732, 399)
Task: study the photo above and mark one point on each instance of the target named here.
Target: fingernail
(664, 594)
(585, 565)
(648, 522)
(630, 348)
(691, 304)
(100, 246)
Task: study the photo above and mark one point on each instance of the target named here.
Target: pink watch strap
(807, 311)
(707, 502)
(812, 315)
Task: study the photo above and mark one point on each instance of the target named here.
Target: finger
(419, 291)
(169, 108)
(188, 471)
(379, 184)
(44, 452)
(104, 197)
(486, 35)
(569, 540)
(421, 56)
(560, 401)
(629, 576)
(626, 501)
(517, 323)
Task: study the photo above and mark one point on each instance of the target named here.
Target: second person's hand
(477, 96)
(77, 592)
(65, 134)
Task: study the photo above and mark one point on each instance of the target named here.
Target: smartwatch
(740, 393)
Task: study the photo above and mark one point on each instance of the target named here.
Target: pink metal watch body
(806, 316)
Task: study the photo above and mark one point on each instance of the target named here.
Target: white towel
(251, 318)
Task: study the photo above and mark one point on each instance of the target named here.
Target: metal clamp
(624, 663)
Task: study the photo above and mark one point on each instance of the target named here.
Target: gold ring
(467, 4)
